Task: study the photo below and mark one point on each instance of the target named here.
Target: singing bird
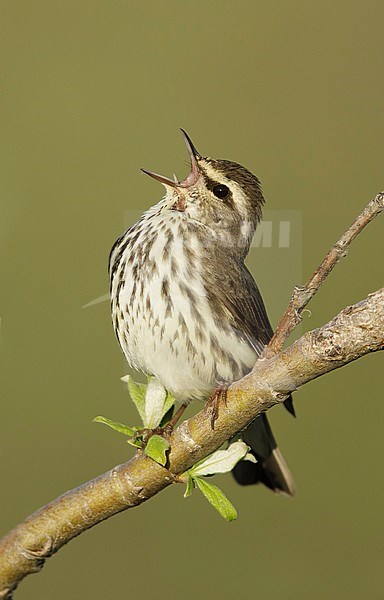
(185, 308)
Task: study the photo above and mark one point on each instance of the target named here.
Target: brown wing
(242, 299)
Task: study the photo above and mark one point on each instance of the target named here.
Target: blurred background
(94, 90)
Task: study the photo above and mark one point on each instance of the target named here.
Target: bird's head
(221, 195)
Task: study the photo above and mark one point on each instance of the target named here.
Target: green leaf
(154, 403)
(167, 417)
(116, 425)
(221, 461)
(156, 449)
(152, 400)
(250, 457)
(135, 441)
(190, 487)
(168, 404)
(137, 392)
(157, 403)
(217, 498)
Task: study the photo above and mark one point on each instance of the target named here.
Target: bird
(186, 309)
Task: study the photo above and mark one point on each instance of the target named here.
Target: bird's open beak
(193, 175)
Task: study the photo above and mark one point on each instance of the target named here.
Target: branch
(303, 294)
(356, 331)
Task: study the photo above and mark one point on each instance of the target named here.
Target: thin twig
(303, 294)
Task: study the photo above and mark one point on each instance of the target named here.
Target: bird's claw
(143, 435)
(214, 400)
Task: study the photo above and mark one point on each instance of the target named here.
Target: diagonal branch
(356, 331)
(303, 294)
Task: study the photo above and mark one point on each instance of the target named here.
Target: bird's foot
(170, 425)
(213, 402)
(164, 431)
(143, 435)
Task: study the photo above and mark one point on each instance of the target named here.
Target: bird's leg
(213, 401)
(165, 430)
(170, 425)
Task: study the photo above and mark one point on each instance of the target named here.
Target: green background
(94, 90)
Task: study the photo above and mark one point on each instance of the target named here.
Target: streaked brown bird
(185, 308)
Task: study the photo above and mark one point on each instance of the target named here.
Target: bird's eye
(220, 191)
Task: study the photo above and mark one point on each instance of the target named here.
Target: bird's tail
(271, 468)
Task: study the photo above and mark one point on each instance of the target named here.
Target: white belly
(167, 328)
